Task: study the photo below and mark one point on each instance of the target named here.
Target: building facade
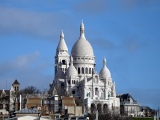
(8, 99)
(129, 106)
(75, 76)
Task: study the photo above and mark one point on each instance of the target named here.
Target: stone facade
(8, 99)
(75, 76)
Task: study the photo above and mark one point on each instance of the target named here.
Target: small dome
(82, 47)
(104, 73)
(71, 71)
(60, 74)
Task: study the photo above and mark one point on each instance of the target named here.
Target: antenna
(6, 84)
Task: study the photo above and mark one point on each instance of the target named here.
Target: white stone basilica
(75, 76)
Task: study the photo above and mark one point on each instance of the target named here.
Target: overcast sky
(126, 32)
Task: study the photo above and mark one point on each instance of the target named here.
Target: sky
(125, 32)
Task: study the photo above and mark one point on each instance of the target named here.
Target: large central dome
(82, 47)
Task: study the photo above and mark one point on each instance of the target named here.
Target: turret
(62, 56)
(16, 86)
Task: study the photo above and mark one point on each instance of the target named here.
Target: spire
(104, 62)
(82, 28)
(62, 44)
(62, 35)
(71, 60)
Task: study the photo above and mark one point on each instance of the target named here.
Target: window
(78, 70)
(90, 71)
(1, 106)
(82, 70)
(73, 92)
(86, 70)
(62, 84)
(96, 91)
(64, 62)
(69, 82)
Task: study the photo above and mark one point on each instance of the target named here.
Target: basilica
(75, 76)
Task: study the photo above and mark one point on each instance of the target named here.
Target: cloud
(103, 44)
(91, 6)
(133, 44)
(37, 24)
(27, 70)
(131, 4)
(20, 63)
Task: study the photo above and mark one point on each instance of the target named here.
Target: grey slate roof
(126, 96)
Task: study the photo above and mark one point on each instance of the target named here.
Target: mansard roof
(126, 97)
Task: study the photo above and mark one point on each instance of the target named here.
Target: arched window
(96, 91)
(64, 62)
(86, 70)
(105, 108)
(69, 82)
(99, 108)
(79, 70)
(82, 70)
(93, 108)
(90, 71)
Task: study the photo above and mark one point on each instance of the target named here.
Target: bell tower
(16, 86)
(62, 56)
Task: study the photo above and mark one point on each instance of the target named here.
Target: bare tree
(30, 90)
